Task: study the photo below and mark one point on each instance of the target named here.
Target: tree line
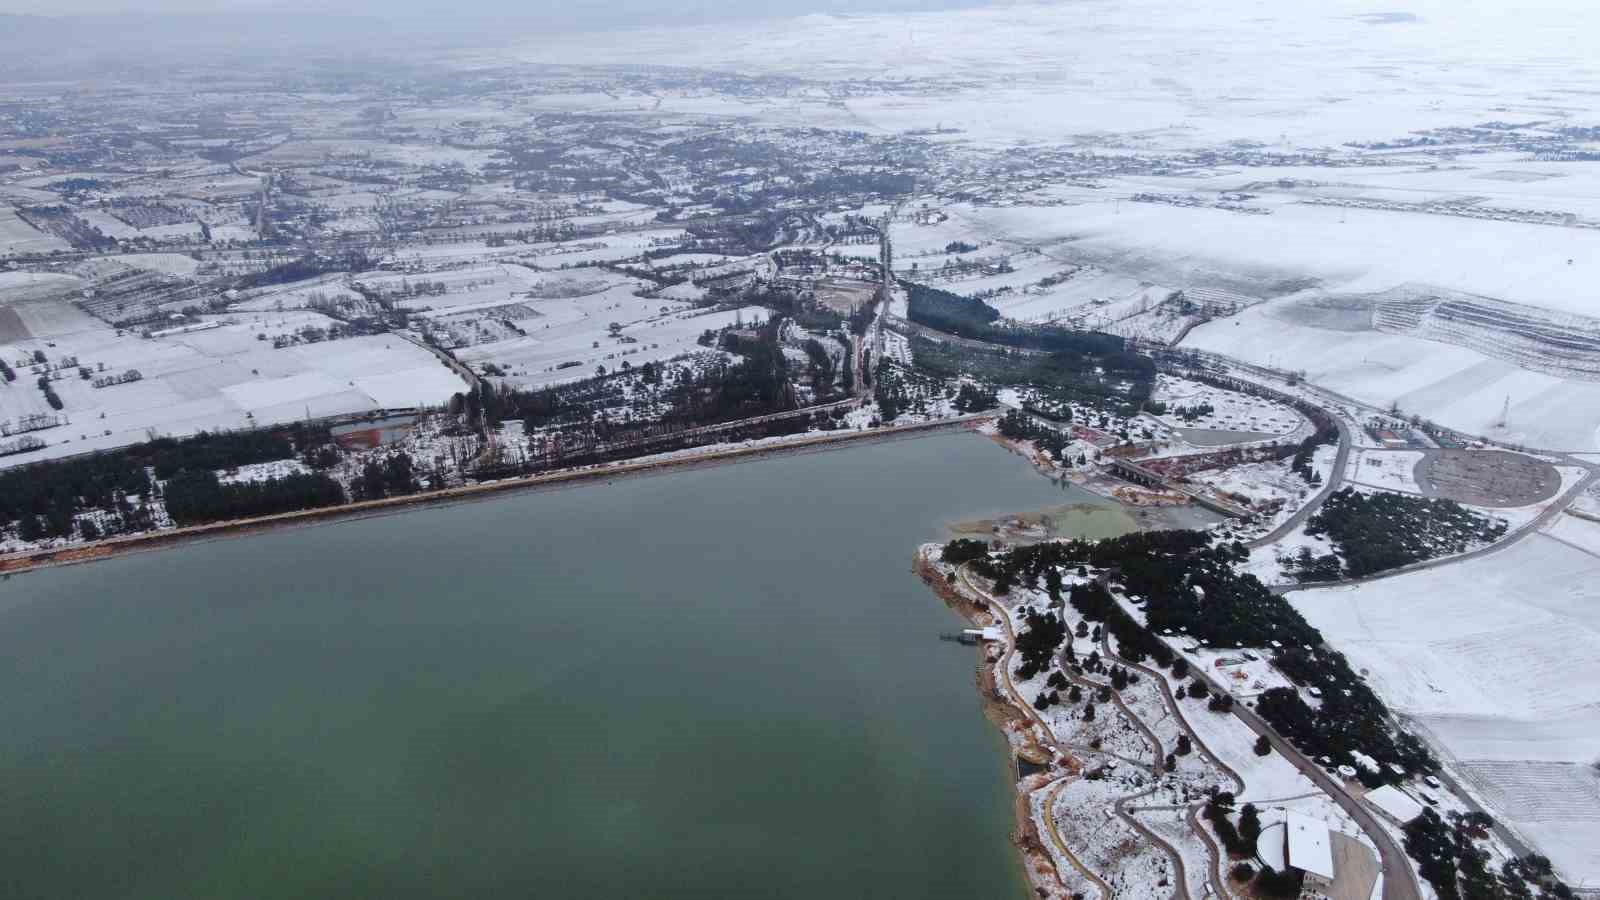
(44, 499)
(194, 497)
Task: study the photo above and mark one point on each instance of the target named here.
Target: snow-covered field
(1496, 659)
(1392, 470)
(1453, 386)
(18, 237)
(227, 377)
(1155, 73)
(545, 355)
(1229, 410)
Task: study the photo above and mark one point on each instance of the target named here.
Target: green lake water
(717, 682)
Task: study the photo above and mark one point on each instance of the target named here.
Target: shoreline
(26, 561)
(1033, 857)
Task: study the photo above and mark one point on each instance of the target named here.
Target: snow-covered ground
(230, 376)
(545, 355)
(1153, 74)
(1391, 470)
(1217, 409)
(18, 237)
(1454, 386)
(1496, 660)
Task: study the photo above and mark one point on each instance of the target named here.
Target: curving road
(1335, 481)
(1399, 881)
(1392, 855)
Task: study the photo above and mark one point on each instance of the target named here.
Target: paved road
(1176, 713)
(1399, 881)
(1335, 481)
(1181, 882)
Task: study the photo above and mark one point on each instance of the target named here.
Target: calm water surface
(715, 683)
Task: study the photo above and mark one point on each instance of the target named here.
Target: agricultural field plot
(1454, 386)
(18, 237)
(312, 152)
(933, 239)
(1489, 478)
(323, 292)
(1088, 296)
(1495, 659)
(109, 225)
(166, 263)
(566, 350)
(1556, 805)
(230, 376)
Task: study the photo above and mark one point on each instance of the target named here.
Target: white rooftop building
(1308, 847)
(1394, 803)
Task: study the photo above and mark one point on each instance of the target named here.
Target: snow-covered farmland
(1496, 660)
(18, 237)
(229, 376)
(1454, 386)
(547, 355)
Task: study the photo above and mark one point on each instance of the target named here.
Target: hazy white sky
(610, 11)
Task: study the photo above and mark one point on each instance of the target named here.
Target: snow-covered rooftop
(1310, 849)
(1395, 802)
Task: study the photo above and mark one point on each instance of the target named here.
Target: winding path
(1181, 889)
(1003, 665)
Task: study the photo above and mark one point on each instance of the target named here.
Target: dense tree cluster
(971, 398)
(970, 317)
(43, 500)
(963, 550)
(49, 391)
(821, 366)
(1190, 586)
(1380, 531)
(755, 384)
(1284, 885)
(226, 449)
(309, 265)
(1019, 426)
(898, 390)
(1300, 463)
(1218, 811)
(1038, 641)
(195, 497)
(394, 476)
(948, 312)
(1449, 858)
(1119, 377)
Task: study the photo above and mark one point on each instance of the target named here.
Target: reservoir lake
(716, 682)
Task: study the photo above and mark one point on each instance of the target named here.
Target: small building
(1298, 842)
(1394, 803)
(1389, 439)
(1308, 847)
